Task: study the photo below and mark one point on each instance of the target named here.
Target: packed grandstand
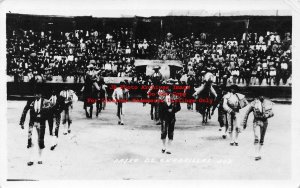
(245, 52)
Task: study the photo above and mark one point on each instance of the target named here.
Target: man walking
(231, 104)
(120, 96)
(69, 97)
(168, 106)
(57, 105)
(262, 110)
(39, 107)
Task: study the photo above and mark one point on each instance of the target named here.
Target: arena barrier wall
(21, 91)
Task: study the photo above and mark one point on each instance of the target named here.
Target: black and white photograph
(163, 92)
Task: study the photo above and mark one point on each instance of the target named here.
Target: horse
(90, 94)
(153, 95)
(101, 97)
(204, 108)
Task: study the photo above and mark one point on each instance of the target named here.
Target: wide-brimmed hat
(171, 81)
(156, 67)
(90, 66)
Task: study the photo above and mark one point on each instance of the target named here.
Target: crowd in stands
(113, 54)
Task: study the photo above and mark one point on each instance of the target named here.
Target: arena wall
(21, 91)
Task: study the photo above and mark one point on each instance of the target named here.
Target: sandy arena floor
(98, 148)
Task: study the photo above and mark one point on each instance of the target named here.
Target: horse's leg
(91, 111)
(206, 114)
(97, 108)
(203, 117)
(86, 109)
(156, 111)
(157, 115)
(151, 111)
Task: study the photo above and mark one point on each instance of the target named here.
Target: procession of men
(163, 109)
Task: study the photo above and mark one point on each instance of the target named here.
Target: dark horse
(153, 95)
(90, 95)
(101, 96)
(204, 107)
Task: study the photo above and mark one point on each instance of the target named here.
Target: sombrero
(156, 67)
(90, 66)
(171, 81)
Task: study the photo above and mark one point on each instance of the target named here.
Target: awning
(146, 62)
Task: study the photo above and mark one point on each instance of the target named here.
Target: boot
(169, 146)
(223, 129)
(69, 126)
(54, 142)
(91, 112)
(235, 138)
(30, 156)
(40, 160)
(65, 131)
(163, 145)
(257, 152)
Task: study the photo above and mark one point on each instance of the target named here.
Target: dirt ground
(98, 148)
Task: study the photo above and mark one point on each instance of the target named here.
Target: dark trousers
(39, 123)
(66, 115)
(167, 127)
(222, 118)
(98, 106)
(120, 110)
(154, 107)
(56, 117)
(90, 113)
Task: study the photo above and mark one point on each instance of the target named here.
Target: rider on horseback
(208, 80)
(206, 90)
(152, 93)
(90, 90)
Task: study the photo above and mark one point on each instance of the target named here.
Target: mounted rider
(152, 93)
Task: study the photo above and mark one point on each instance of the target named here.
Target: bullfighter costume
(168, 106)
(262, 110)
(39, 108)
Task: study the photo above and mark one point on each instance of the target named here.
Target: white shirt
(37, 105)
(264, 65)
(273, 72)
(53, 99)
(65, 94)
(107, 66)
(168, 99)
(284, 66)
(261, 39)
(231, 101)
(127, 51)
(258, 106)
(70, 58)
(119, 93)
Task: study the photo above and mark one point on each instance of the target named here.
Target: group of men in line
(228, 101)
(50, 110)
